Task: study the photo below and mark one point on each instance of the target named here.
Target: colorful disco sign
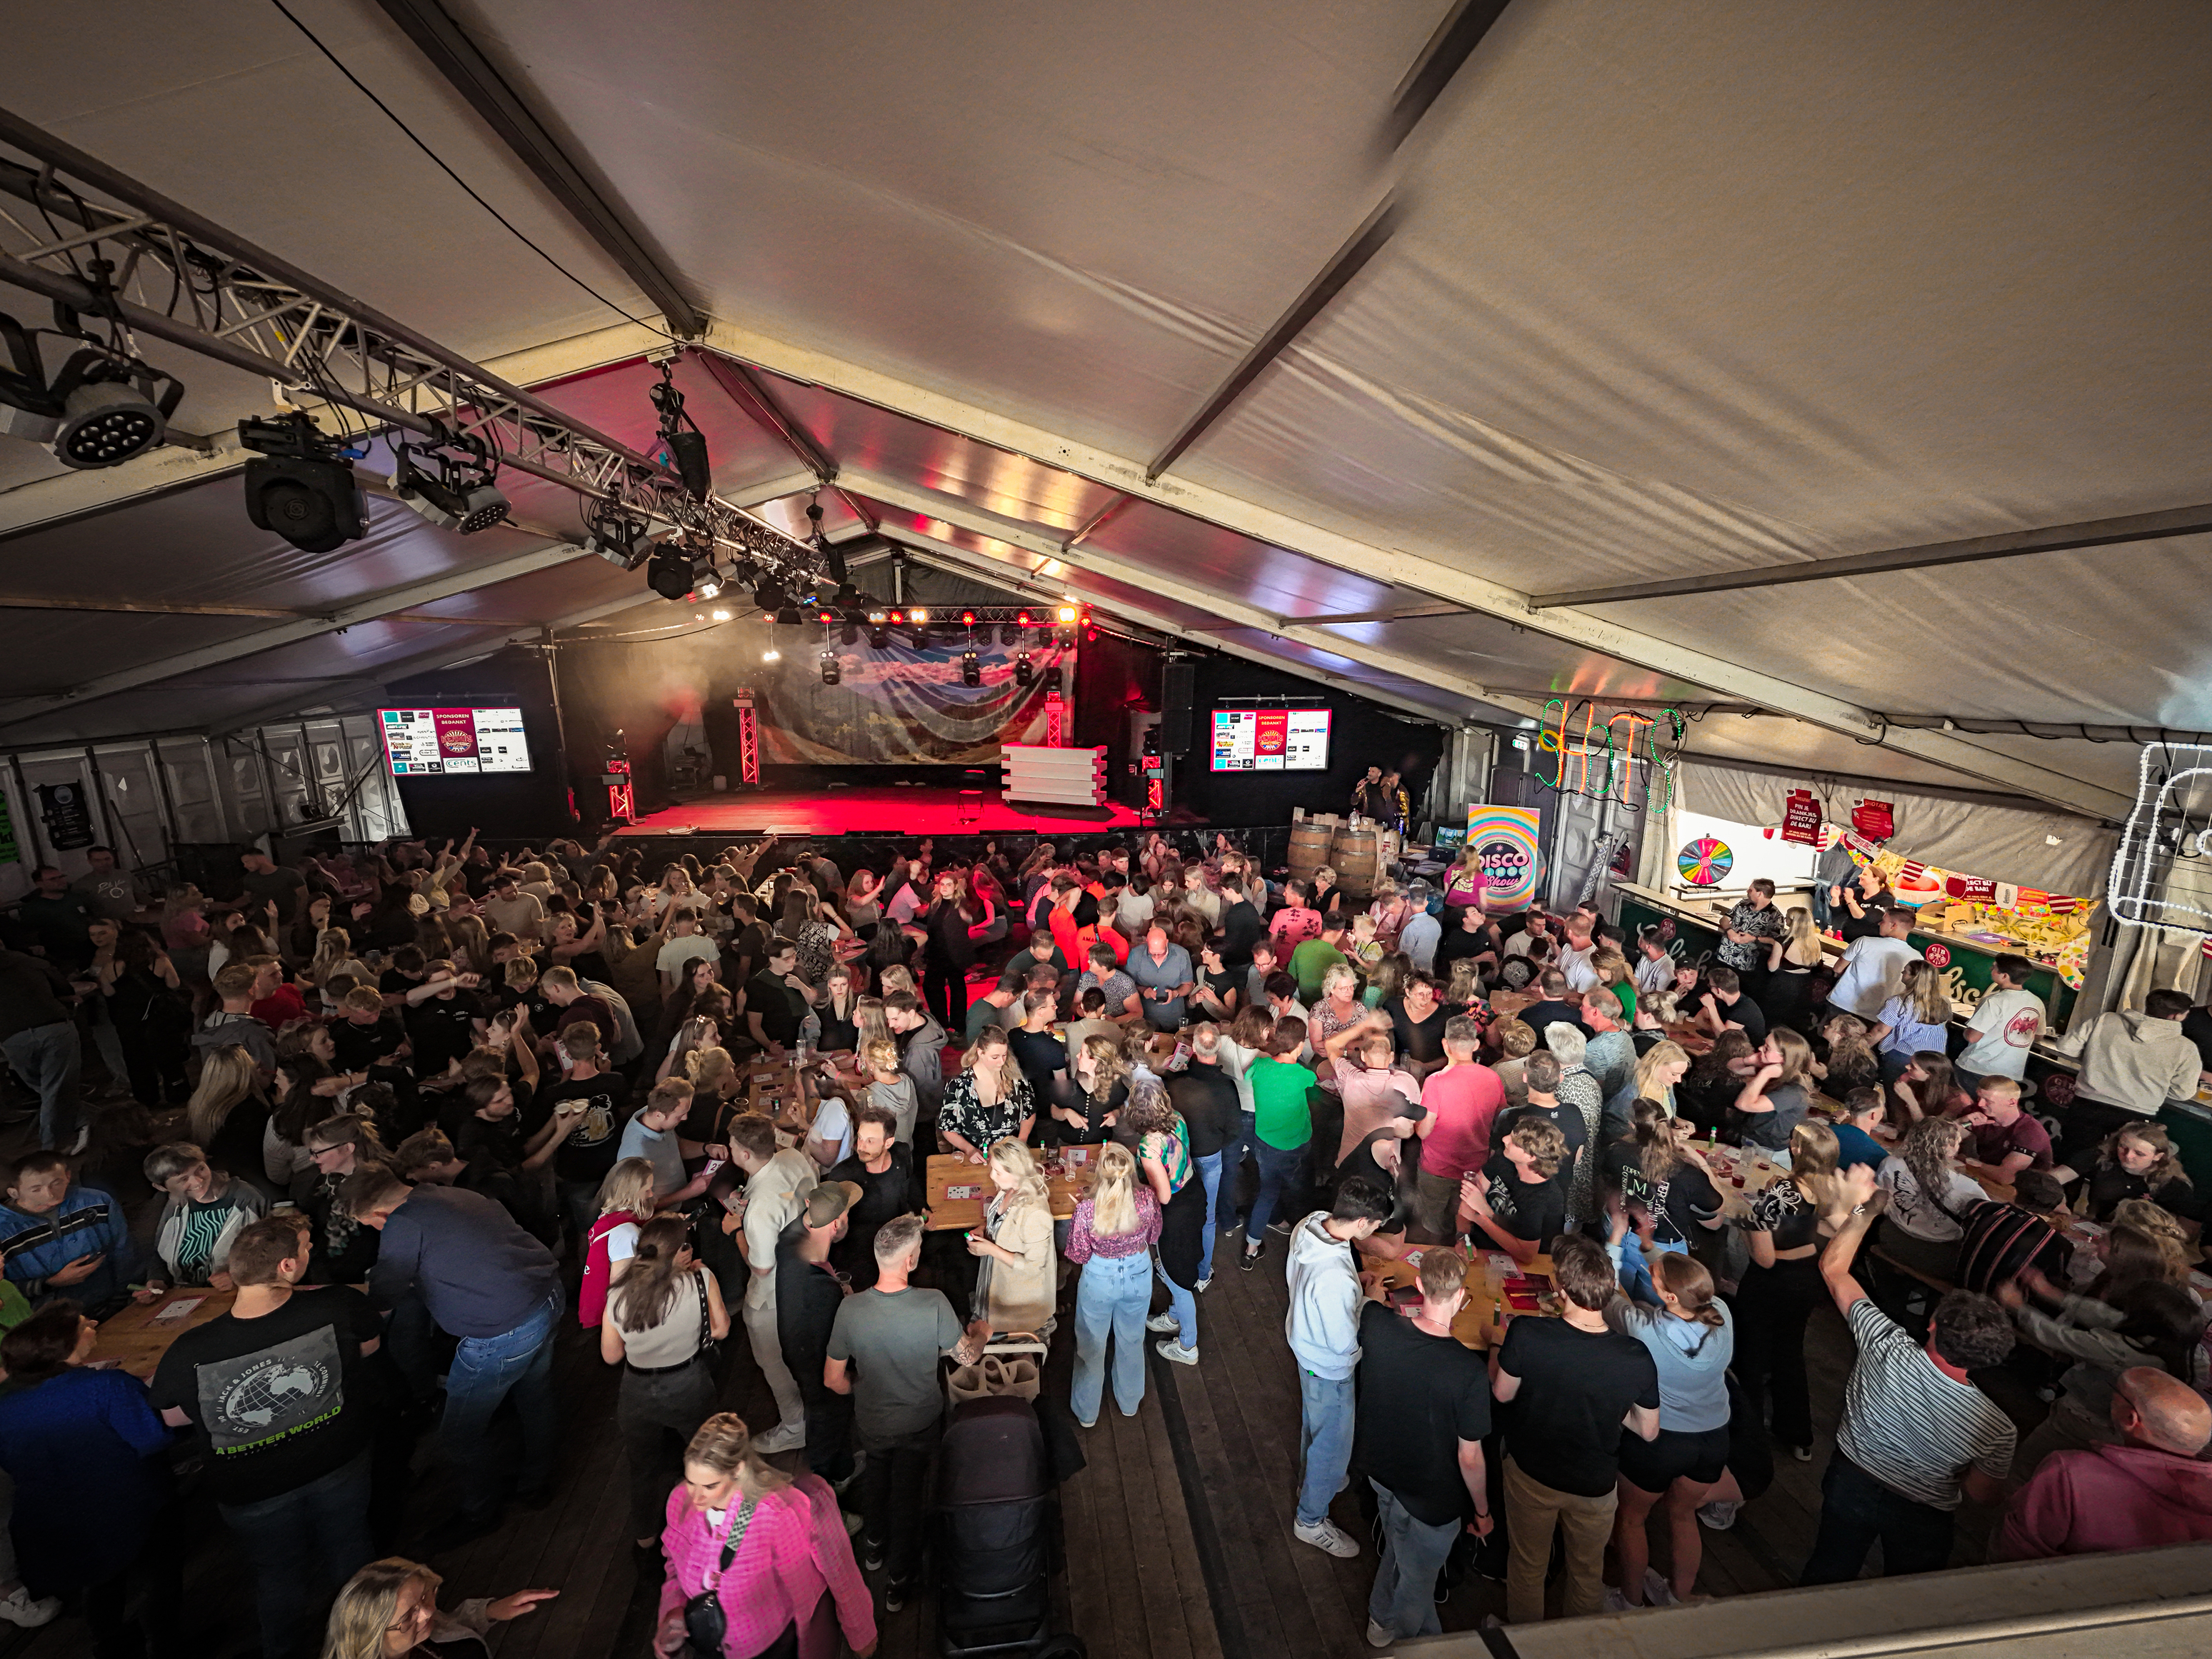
(1506, 842)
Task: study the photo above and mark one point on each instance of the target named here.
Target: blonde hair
(1801, 934)
(1113, 1193)
(991, 1037)
(370, 1605)
(881, 1053)
(724, 1445)
(628, 1187)
(1108, 1054)
(1796, 1056)
(1925, 989)
(1815, 1155)
(868, 1024)
(1028, 1187)
(1340, 974)
(1666, 1052)
(706, 1067)
(896, 977)
(227, 1077)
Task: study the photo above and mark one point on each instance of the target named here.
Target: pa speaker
(1178, 685)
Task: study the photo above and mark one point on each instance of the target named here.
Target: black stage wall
(533, 805)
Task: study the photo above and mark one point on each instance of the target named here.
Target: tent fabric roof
(1671, 292)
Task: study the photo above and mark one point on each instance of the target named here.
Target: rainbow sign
(1506, 842)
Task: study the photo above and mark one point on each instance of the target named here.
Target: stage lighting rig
(786, 615)
(971, 669)
(679, 570)
(918, 616)
(833, 560)
(619, 539)
(1024, 669)
(680, 436)
(768, 595)
(104, 408)
(459, 493)
(300, 485)
(1068, 614)
(832, 672)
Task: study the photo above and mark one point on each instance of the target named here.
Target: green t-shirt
(1280, 1116)
(1310, 964)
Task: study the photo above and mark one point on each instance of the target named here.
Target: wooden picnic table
(1067, 1176)
(1486, 1285)
(134, 1340)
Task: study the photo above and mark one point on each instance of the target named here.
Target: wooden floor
(1177, 1539)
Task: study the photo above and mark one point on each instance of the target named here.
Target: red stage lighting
(898, 618)
(1022, 619)
(825, 618)
(968, 618)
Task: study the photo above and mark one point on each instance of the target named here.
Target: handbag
(705, 1623)
(709, 1349)
(995, 1374)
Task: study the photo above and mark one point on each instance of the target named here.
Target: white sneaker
(1177, 1351)
(20, 1609)
(1165, 1323)
(1616, 1602)
(783, 1438)
(853, 1524)
(1657, 1592)
(84, 1139)
(1718, 1515)
(1201, 1284)
(1380, 1635)
(1327, 1536)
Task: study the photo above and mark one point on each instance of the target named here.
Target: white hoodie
(2133, 1060)
(1323, 1323)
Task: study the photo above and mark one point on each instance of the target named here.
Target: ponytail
(1685, 1278)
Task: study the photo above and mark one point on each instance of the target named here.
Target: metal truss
(154, 268)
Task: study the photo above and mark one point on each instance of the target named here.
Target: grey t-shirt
(893, 1339)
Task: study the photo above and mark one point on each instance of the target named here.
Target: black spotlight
(971, 670)
(681, 437)
(1024, 670)
(879, 639)
(1052, 679)
(669, 574)
(768, 595)
(1009, 634)
(298, 487)
(786, 615)
(832, 671)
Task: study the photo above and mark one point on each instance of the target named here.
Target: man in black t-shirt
(808, 1293)
(1554, 1009)
(1580, 1386)
(882, 1167)
(773, 1011)
(589, 1100)
(1424, 1410)
(1539, 1074)
(285, 1411)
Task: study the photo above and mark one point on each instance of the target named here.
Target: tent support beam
(1365, 243)
(959, 562)
(1422, 573)
(1449, 48)
(2007, 544)
(457, 58)
(960, 516)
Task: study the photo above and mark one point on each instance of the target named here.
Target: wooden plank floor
(1176, 1536)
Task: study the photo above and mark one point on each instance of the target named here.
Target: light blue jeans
(485, 1370)
(1403, 1599)
(1112, 1299)
(1325, 1415)
(1182, 1304)
(1209, 1173)
(1635, 1274)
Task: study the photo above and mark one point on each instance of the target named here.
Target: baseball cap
(829, 1201)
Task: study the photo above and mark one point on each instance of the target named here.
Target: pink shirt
(1463, 1100)
(1083, 1243)
(794, 1549)
(1372, 1098)
(1293, 926)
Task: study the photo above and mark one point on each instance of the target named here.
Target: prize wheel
(1705, 862)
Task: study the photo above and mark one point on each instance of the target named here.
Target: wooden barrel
(1310, 845)
(1355, 856)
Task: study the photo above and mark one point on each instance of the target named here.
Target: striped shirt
(1910, 1426)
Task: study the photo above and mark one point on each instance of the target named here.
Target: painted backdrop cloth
(899, 705)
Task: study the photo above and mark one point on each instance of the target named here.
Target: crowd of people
(422, 1108)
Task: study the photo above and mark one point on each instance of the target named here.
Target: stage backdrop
(897, 705)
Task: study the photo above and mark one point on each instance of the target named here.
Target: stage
(873, 810)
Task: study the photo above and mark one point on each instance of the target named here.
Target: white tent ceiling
(1672, 291)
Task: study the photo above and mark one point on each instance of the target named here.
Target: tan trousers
(767, 1354)
(1531, 1512)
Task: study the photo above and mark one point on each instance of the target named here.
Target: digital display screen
(1270, 740)
(449, 742)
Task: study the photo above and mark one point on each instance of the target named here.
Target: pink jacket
(794, 1550)
(2112, 1498)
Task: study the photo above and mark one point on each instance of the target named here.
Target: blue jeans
(1282, 1178)
(1403, 1599)
(304, 1544)
(1209, 1173)
(1636, 1273)
(1324, 1441)
(48, 1059)
(1182, 1304)
(1112, 1299)
(487, 1370)
(1893, 1062)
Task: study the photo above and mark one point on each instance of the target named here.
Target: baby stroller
(992, 1517)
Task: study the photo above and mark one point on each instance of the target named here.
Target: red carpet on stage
(876, 810)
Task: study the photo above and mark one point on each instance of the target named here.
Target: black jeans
(2085, 1123)
(829, 1427)
(944, 993)
(1856, 1509)
(649, 1409)
(1771, 1310)
(894, 1492)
